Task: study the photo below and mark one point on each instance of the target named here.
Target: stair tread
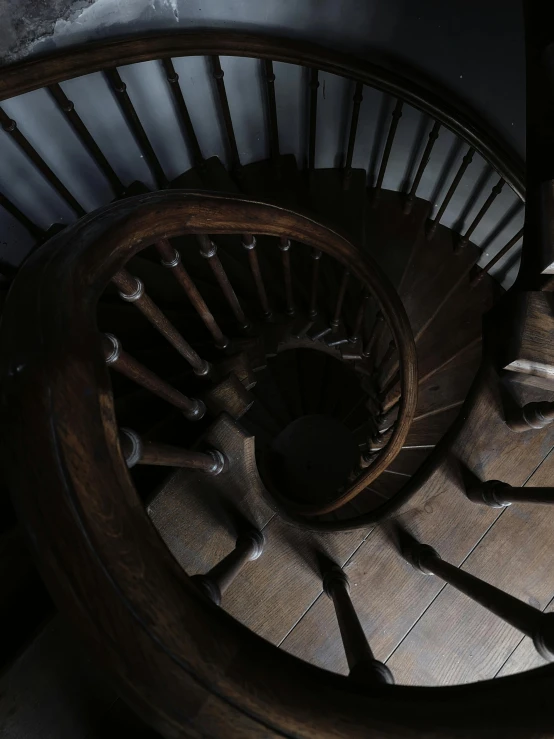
(390, 235)
(391, 595)
(214, 176)
(451, 384)
(191, 504)
(434, 271)
(280, 599)
(340, 208)
(456, 326)
(287, 186)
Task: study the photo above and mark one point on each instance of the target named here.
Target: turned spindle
(365, 670)
(530, 621)
(215, 582)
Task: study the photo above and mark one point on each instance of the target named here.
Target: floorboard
(272, 594)
(391, 597)
(457, 640)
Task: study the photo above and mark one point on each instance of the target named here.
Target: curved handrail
(108, 567)
(427, 96)
(133, 224)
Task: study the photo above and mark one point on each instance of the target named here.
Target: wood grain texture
(437, 513)
(451, 384)
(192, 504)
(525, 656)
(229, 396)
(288, 581)
(473, 644)
(386, 592)
(529, 348)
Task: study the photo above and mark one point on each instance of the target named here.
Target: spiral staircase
(230, 396)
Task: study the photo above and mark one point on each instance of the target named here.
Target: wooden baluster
(137, 451)
(533, 416)
(527, 619)
(272, 112)
(386, 357)
(357, 330)
(368, 456)
(172, 260)
(119, 360)
(394, 380)
(433, 223)
(189, 133)
(335, 321)
(313, 85)
(495, 192)
(396, 115)
(120, 90)
(218, 74)
(386, 417)
(215, 582)
(382, 436)
(376, 334)
(312, 309)
(131, 290)
(365, 670)
(480, 273)
(13, 210)
(316, 258)
(249, 243)
(433, 136)
(68, 108)
(10, 126)
(284, 246)
(358, 97)
(498, 494)
(209, 251)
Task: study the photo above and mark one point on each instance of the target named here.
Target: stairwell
(301, 343)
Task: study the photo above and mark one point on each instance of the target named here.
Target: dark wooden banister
(135, 223)
(415, 90)
(109, 569)
(115, 577)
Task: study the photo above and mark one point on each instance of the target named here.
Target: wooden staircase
(298, 378)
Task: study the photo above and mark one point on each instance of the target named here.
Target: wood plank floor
(427, 632)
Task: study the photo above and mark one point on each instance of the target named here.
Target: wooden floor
(428, 633)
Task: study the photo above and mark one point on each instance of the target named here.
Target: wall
(474, 49)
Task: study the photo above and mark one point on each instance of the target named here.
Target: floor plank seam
(466, 557)
(509, 657)
(346, 562)
(473, 548)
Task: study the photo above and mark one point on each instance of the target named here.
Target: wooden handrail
(136, 222)
(106, 564)
(412, 88)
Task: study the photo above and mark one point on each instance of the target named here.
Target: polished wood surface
(106, 530)
(365, 670)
